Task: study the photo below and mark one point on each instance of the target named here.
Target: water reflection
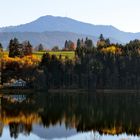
(61, 116)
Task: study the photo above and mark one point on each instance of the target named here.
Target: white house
(19, 83)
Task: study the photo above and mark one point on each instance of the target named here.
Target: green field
(69, 54)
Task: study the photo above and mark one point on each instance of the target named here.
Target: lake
(69, 116)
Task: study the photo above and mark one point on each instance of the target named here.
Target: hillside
(48, 39)
(51, 31)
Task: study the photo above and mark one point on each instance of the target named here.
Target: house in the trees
(19, 83)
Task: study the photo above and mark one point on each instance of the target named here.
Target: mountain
(45, 27)
(52, 132)
(48, 39)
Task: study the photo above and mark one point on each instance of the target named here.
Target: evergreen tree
(88, 43)
(40, 47)
(55, 48)
(101, 38)
(1, 47)
(27, 48)
(14, 49)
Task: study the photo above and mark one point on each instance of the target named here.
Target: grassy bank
(69, 54)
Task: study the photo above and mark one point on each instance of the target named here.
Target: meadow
(69, 54)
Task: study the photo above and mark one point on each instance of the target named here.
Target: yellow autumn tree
(112, 49)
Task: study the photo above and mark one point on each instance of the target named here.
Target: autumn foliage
(112, 49)
(25, 61)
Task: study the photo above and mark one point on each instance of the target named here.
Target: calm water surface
(51, 116)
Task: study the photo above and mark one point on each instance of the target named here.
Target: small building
(19, 83)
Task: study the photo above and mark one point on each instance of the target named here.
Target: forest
(104, 65)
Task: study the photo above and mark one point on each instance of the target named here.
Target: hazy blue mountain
(64, 24)
(52, 132)
(48, 39)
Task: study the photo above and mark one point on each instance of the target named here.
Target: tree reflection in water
(105, 113)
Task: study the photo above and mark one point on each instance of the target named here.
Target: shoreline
(98, 91)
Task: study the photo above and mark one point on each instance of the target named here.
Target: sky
(123, 14)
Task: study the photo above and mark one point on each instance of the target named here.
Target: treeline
(107, 66)
(104, 66)
(19, 63)
(17, 49)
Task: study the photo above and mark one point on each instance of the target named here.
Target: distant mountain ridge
(48, 39)
(65, 25)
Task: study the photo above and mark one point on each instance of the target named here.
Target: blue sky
(123, 14)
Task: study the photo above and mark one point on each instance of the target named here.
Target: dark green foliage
(1, 47)
(88, 43)
(19, 50)
(103, 43)
(15, 49)
(40, 47)
(107, 41)
(101, 38)
(94, 68)
(27, 48)
(55, 48)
